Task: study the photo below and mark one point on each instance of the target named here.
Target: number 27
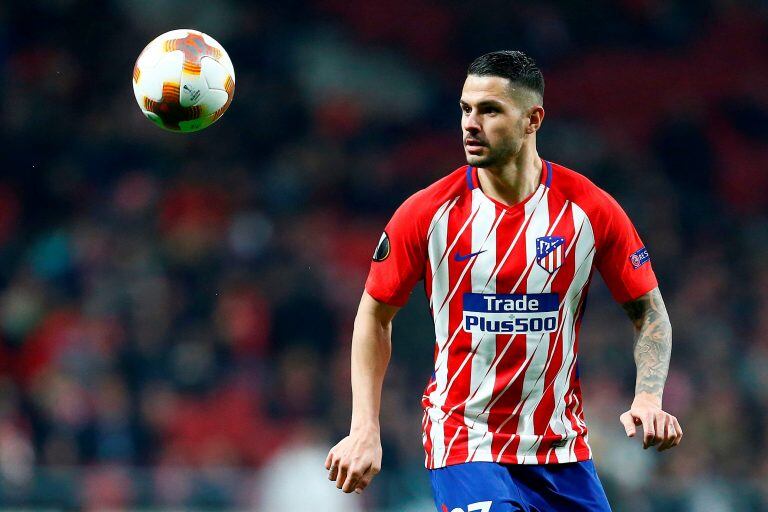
(480, 506)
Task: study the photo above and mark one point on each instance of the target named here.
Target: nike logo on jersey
(463, 257)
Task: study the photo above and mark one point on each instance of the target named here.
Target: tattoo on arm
(653, 341)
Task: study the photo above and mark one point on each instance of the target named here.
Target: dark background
(176, 310)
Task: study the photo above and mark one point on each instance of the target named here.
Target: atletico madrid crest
(549, 252)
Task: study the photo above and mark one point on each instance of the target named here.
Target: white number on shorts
(480, 506)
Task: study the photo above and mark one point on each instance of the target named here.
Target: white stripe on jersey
(437, 242)
(532, 260)
(482, 237)
(481, 380)
(560, 425)
(536, 345)
(445, 256)
(439, 214)
(537, 391)
(530, 207)
(450, 445)
(532, 442)
(584, 253)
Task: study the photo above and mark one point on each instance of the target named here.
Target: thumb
(629, 423)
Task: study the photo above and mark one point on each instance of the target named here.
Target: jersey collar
(546, 176)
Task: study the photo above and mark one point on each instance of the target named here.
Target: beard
(496, 156)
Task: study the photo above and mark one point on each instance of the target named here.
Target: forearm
(653, 343)
(371, 349)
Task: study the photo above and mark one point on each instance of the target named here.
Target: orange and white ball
(183, 80)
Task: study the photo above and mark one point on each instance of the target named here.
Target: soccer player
(506, 246)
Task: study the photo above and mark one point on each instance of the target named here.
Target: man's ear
(535, 118)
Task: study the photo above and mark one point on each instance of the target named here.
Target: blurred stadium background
(176, 311)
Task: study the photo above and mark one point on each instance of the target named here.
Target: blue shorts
(491, 487)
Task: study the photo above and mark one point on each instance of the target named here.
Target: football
(183, 81)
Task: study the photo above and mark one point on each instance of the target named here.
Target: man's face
(493, 120)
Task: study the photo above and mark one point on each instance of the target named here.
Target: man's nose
(471, 125)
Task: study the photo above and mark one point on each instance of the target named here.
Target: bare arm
(356, 459)
(371, 349)
(653, 342)
(652, 351)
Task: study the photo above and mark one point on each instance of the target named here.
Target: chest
(542, 246)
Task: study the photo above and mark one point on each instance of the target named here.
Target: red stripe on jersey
(575, 409)
(457, 387)
(427, 429)
(466, 271)
(459, 231)
(510, 358)
(560, 279)
(428, 288)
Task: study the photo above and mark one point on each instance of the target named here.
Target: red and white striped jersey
(507, 287)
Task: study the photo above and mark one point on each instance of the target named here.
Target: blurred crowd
(176, 310)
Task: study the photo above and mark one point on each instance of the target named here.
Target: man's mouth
(473, 146)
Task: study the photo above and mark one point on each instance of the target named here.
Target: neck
(515, 180)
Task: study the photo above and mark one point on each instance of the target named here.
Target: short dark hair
(513, 65)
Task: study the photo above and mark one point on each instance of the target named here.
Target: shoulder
(582, 191)
(605, 215)
(423, 204)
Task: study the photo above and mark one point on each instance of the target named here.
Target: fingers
(333, 468)
(629, 423)
(674, 434)
(366, 479)
(348, 477)
(352, 467)
(362, 484)
(679, 431)
(659, 428)
(649, 430)
(358, 479)
(669, 434)
(353, 478)
(333, 463)
(347, 484)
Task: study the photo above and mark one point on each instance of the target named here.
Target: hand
(354, 461)
(659, 428)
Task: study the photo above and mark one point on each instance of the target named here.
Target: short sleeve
(622, 258)
(400, 257)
